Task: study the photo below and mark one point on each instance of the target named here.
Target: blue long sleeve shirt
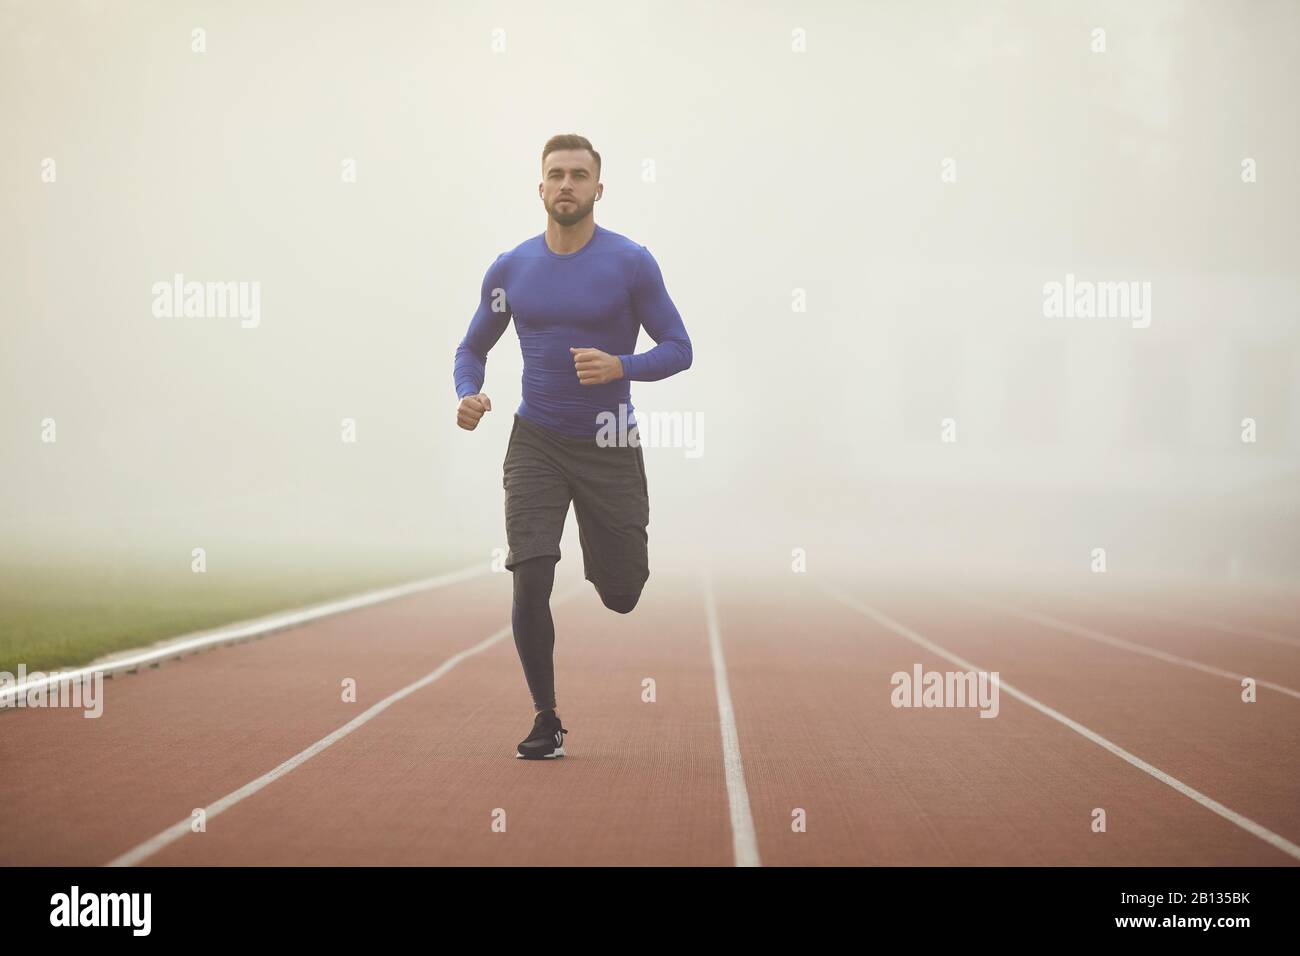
(598, 297)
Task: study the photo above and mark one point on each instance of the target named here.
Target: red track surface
(644, 783)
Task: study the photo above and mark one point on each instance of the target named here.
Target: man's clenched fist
(595, 367)
(471, 409)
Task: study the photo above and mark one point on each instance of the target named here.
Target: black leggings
(535, 630)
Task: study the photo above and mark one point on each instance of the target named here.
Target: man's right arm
(485, 328)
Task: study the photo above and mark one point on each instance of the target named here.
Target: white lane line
(177, 830)
(281, 620)
(1104, 638)
(1236, 630)
(744, 842)
(1250, 826)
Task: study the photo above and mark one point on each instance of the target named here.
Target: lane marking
(281, 620)
(1250, 826)
(177, 830)
(744, 842)
(1235, 630)
(1104, 638)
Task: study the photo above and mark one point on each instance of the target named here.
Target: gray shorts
(545, 470)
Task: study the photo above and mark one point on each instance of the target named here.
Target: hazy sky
(856, 207)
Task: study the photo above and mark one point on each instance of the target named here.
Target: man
(578, 294)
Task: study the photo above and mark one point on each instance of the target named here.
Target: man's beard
(568, 215)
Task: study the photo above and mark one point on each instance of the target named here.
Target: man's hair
(570, 141)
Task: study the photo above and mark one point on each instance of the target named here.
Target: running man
(579, 294)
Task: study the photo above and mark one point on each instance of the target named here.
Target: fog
(856, 207)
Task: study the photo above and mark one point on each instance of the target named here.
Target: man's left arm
(661, 320)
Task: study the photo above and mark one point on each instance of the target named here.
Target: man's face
(569, 189)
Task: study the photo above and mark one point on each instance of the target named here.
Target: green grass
(56, 615)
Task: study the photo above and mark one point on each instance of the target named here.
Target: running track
(1131, 704)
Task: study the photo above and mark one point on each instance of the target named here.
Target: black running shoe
(546, 740)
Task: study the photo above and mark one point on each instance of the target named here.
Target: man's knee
(534, 578)
(622, 603)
